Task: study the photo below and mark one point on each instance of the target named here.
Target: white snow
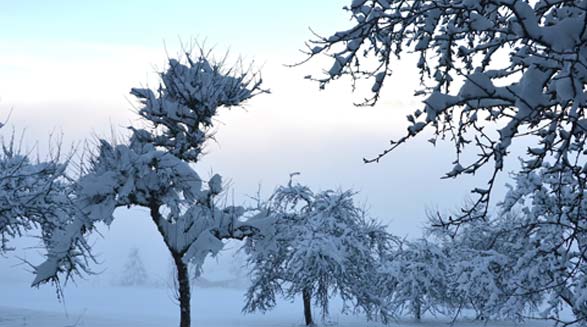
(89, 306)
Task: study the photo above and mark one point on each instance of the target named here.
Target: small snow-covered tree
(152, 170)
(414, 278)
(528, 261)
(134, 272)
(323, 245)
(491, 71)
(552, 228)
(484, 262)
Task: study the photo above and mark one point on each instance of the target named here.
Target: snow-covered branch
(517, 66)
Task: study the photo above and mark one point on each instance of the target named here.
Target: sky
(67, 68)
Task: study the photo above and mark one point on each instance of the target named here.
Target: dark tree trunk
(183, 280)
(307, 296)
(418, 310)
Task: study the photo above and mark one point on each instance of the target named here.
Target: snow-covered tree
(152, 170)
(528, 261)
(413, 278)
(495, 266)
(491, 71)
(323, 245)
(552, 229)
(34, 195)
(134, 272)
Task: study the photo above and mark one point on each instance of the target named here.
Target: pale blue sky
(263, 24)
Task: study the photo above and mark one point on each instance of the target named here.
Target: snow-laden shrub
(414, 279)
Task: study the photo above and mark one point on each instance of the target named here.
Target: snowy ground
(152, 307)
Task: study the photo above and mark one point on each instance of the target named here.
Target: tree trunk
(183, 277)
(183, 280)
(307, 296)
(418, 309)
